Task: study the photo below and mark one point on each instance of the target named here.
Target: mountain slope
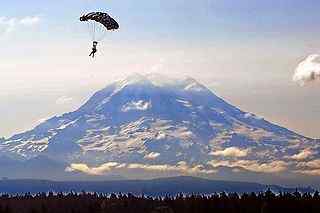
(156, 125)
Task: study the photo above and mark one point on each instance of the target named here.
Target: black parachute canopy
(102, 18)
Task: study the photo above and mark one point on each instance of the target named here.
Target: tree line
(263, 202)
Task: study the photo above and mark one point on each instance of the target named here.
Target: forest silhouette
(84, 202)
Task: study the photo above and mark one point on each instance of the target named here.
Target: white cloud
(100, 170)
(252, 165)
(308, 70)
(63, 100)
(231, 152)
(11, 24)
(181, 167)
(152, 155)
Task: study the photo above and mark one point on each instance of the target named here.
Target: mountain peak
(159, 80)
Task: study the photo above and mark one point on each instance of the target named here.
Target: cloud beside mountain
(308, 70)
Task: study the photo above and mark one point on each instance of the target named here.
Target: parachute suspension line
(104, 33)
(99, 24)
(89, 30)
(101, 33)
(93, 27)
(94, 30)
(97, 31)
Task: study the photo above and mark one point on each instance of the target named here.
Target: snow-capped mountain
(154, 124)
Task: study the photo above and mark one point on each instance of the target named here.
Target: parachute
(102, 18)
(99, 24)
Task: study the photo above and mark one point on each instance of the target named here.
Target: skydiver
(94, 49)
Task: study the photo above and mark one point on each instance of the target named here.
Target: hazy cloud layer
(308, 70)
(309, 168)
(181, 167)
(314, 172)
(313, 164)
(252, 165)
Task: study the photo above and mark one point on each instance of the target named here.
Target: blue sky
(184, 18)
(245, 51)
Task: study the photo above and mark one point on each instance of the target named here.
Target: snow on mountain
(158, 124)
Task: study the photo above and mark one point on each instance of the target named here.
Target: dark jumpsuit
(94, 49)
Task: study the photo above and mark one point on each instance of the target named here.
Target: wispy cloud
(12, 24)
(64, 100)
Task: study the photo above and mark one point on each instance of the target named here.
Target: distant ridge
(154, 187)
